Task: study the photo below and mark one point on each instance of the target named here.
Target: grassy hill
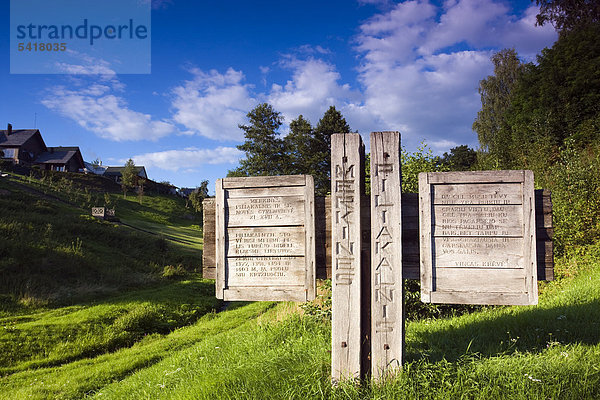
(101, 319)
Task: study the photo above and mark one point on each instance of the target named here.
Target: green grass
(86, 258)
(549, 351)
(85, 311)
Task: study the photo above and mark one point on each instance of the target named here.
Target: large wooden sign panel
(478, 237)
(265, 238)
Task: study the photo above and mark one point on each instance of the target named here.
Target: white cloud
(105, 114)
(313, 87)
(187, 159)
(213, 104)
(421, 64)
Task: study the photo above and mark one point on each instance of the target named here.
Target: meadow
(92, 309)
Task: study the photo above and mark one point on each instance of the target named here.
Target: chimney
(9, 130)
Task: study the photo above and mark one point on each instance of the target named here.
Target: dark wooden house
(67, 159)
(22, 146)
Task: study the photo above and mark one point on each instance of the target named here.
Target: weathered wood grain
(485, 210)
(347, 177)
(387, 297)
(410, 236)
(477, 193)
(264, 244)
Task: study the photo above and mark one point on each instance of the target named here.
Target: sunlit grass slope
(549, 351)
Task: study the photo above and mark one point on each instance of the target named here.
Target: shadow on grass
(526, 330)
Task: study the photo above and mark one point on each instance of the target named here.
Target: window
(9, 153)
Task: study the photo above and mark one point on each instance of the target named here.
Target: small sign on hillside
(478, 237)
(265, 238)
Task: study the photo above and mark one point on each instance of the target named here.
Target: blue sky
(412, 66)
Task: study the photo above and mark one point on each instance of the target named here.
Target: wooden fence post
(347, 183)
(387, 314)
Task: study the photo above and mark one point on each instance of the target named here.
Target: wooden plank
(209, 262)
(478, 252)
(220, 241)
(347, 173)
(266, 241)
(529, 237)
(507, 176)
(479, 280)
(264, 294)
(264, 181)
(425, 237)
(266, 192)
(387, 313)
(260, 211)
(410, 236)
(310, 237)
(477, 193)
(478, 220)
(497, 299)
(266, 271)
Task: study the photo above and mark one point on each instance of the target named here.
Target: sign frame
(291, 190)
(476, 219)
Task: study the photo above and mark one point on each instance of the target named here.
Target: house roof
(118, 171)
(18, 137)
(60, 155)
(57, 157)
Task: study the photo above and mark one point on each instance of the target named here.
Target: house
(97, 169)
(22, 146)
(67, 159)
(116, 173)
(185, 192)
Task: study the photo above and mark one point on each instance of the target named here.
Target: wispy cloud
(189, 158)
(213, 104)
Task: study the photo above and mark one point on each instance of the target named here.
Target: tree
(460, 158)
(197, 196)
(128, 177)
(568, 15)
(496, 93)
(299, 147)
(97, 162)
(140, 190)
(332, 122)
(264, 149)
(422, 160)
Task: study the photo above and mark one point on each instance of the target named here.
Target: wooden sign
(478, 237)
(347, 183)
(265, 238)
(98, 212)
(387, 316)
(110, 212)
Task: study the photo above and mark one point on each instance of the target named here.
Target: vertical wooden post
(347, 182)
(387, 313)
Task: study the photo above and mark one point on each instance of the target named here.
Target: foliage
(264, 149)
(198, 195)
(299, 148)
(332, 122)
(128, 177)
(568, 15)
(575, 184)
(422, 160)
(460, 158)
(320, 307)
(496, 93)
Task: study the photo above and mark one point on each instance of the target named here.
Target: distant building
(94, 169)
(22, 146)
(116, 173)
(66, 159)
(185, 192)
